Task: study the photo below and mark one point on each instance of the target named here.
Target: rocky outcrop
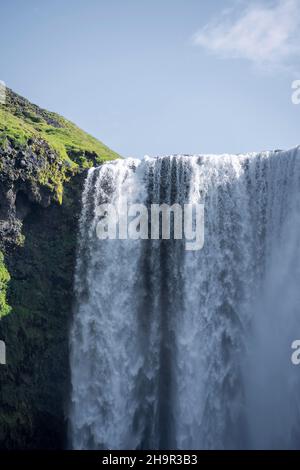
(39, 152)
(20, 186)
(43, 160)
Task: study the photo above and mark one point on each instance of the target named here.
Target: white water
(190, 350)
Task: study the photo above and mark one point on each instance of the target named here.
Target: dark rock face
(40, 194)
(19, 172)
(35, 382)
(38, 237)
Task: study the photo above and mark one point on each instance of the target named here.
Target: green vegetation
(4, 279)
(42, 156)
(25, 125)
(21, 120)
(67, 140)
(13, 128)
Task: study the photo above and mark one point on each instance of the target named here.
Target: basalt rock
(43, 162)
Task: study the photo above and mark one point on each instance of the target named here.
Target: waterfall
(177, 349)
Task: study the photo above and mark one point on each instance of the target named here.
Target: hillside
(24, 125)
(43, 162)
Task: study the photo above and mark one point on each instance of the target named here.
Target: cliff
(43, 159)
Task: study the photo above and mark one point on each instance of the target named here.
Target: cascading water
(190, 349)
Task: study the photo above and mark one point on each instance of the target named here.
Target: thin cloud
(263, 34)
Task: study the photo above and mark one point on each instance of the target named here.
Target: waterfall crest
(175, 349)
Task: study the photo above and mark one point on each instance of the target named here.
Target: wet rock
(20, 174)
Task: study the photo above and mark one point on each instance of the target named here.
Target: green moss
(69, 140)
(35, 381)
(4, 279)
(14, 128)
(22, 122)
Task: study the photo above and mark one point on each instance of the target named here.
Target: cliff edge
(43, 161)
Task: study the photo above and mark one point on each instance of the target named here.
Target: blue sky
(160, 76)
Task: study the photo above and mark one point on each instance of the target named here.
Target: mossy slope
(42, 163)
(4, 279)
(21, 120)
(68, 149)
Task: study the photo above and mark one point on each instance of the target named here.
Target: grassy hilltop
(43, 161)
